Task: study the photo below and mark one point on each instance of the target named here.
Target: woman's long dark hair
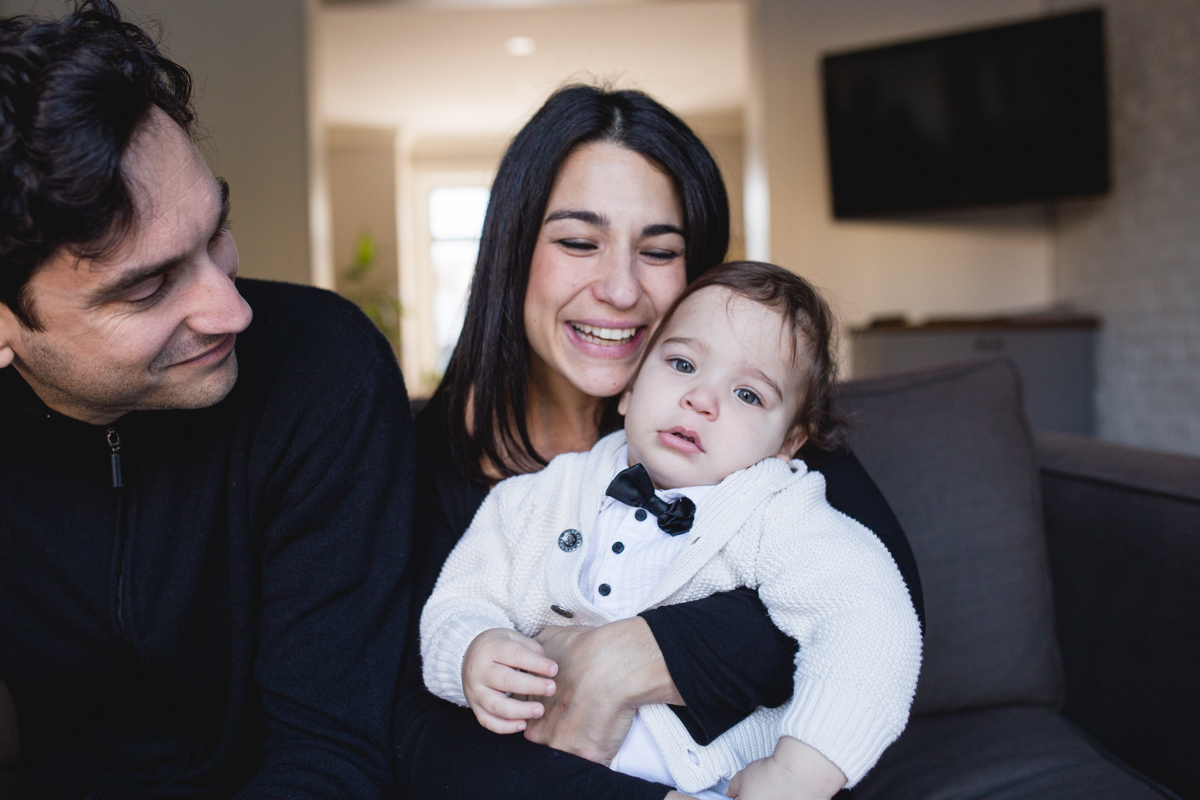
(489, 370)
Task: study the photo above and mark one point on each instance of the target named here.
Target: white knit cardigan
(827, 582)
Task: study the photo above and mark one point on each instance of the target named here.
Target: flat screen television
(1002, 115)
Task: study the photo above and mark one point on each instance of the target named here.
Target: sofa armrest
(1123, 529)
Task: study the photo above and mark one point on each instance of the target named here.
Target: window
(455, 222)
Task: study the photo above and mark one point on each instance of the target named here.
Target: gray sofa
(1062, 599)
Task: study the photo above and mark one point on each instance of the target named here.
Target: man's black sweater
(233, 618)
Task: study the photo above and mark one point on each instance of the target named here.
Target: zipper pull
(114, 442)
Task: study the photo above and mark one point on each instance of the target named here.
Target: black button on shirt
(640, 515)
(604, 590)
(618, 547)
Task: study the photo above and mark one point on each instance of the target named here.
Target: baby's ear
(793, 442)
(623, 403)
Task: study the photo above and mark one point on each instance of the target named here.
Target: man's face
(151, 326)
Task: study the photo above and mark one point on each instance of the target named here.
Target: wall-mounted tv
(1002, 115)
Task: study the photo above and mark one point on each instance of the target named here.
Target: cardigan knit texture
(826, 580)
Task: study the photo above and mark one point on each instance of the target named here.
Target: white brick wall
(1134, 255)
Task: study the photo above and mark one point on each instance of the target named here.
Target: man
(204, 488)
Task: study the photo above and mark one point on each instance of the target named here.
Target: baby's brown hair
(812, 325)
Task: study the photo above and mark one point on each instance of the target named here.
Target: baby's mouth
(604, 337)
(685, 435)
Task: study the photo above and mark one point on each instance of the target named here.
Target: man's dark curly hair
(72, 93)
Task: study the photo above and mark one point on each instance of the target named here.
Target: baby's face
(716, 394)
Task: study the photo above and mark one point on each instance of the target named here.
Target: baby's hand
(794, 771)
(501, 663)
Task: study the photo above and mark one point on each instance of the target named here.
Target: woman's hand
(794, 771)
(605, 674)
(500, 663)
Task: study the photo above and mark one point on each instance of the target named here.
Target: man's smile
(215, 354)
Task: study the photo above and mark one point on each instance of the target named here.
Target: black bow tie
(633, 488)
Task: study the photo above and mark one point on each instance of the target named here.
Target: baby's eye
(681, 365)
(747, 396)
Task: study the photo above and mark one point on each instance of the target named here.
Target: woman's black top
(724, 654)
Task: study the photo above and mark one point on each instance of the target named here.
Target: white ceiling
(435, 70)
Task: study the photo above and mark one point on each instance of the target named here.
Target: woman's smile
(607, 341)
(605, 336)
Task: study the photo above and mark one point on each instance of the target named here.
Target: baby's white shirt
(629, 556)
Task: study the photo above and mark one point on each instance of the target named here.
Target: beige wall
(248, 59)
(954, 263)
(361, 175)
(1133, 256)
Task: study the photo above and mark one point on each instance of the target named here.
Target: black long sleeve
(336, 501)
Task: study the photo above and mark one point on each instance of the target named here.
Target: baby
(699, 494)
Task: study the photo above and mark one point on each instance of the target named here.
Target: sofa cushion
(1001, 754)
(951, 451)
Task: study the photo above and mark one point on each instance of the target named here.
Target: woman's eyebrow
(590, 217)
(659, 230)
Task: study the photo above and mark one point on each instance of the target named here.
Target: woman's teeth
(604, 336)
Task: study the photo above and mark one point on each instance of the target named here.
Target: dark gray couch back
(952, 452)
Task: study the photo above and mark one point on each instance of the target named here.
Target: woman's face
(609, 260)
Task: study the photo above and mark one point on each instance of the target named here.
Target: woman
(603, 208)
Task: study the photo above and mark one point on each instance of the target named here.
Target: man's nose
(618, 285)
(217, 307)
